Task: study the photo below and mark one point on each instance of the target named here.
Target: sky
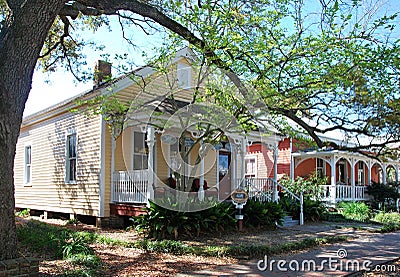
(51, 89)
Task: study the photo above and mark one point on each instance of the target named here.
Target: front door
(224, 175)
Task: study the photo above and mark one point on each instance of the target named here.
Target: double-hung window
(28, 164)
(71, 158)
(141, 151)
(320, 168)
(251, 167)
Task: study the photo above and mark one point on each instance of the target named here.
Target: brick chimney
(102, 72)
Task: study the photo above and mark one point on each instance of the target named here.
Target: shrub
(161, 223)
(355, 210)
(311, 186)
(391, 227)
(313, 210)
(87, 260)
(23, 213)
(384, 196)
(387, 218)
(257, 213)
(40, 237)
(73, 245)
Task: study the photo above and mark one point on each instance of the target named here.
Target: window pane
(72, 146)
(28, 174)
(139, 143)
(250, 166)
(137, 161)
(28, 160)
(28, 155)
(71, 158)
(72, 170)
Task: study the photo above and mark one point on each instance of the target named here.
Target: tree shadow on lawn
(120, 261)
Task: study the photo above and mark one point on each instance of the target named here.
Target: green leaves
(355, 210)
(326, 72)
(161, 223)
(311, 186)
(260, 214)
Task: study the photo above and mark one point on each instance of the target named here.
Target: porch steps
(288, 221)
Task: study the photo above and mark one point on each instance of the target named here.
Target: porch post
(353, 179)
(384, 174)
(234, 166)
(292, 161)
(150, 162)
(275, 188)
(113, 146)
(369, 173)
(333, 179)
(242, 156)
(237, 157)
(201, 188)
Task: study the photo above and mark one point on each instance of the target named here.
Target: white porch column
(276, 156)
(150, 162)
(275, 189)
(200, 193)
(242, 156)
(369, 164)
(113, 146)
(384, 167)
(292, 161)
(201, 188)
(333, 179)
(237, 163)
(234, 166)
(353, 178)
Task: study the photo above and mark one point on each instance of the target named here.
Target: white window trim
(68, 134)
(27, 184)
(184, 84)
(132, 154)
(249, 157)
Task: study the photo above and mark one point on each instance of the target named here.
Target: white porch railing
(343, 193)
(130, 186)
(360, 193)
(261, 189)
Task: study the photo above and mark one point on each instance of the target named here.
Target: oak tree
(327, 67)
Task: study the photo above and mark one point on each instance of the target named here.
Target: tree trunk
(21, 40)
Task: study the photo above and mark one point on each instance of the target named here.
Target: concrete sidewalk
(365, 250)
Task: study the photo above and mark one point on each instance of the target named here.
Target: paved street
(336, 260)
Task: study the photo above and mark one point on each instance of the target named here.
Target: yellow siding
(162, 166)
(48, 190)
(210, 168)
(157, 85)
(119, 164)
